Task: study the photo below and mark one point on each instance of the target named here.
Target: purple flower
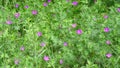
(106, 29)
(39, 34)
(22, 48)
(45, 4)
(118, 9)
(61, 61)
(79, 31)
(74, 3)
(65, 44)
(16, 5)
(74, 25)
(108, 42)
(42, 44)
(46, 58)
(17, 15)
(49, 0)
(34, 12)
(9, 22)
(26, 6)
(16, 62)
(108, 55)
(105, 16)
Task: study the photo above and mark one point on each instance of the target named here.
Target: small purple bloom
(74, 3)
(9, 22)
(46, 58)
(16, 62)
(105, 16)
(108, 42)
(17, 15)
(45, 4)
(34, 12)
(49, 0)
(16, 5)
(74, 25)
(42, 44)
(108, 55)
(61, 61)
(22, 48)
(65, 44)
(118, 9)
(106, 29)
(39, 34)
(79, 31)
(26, 6)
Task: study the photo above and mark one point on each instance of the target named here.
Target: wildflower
(16, 5)
(108, 42)
(118, 9)
(74, 3)
(106, 29)
(34, 12)
(105, 16)
(74, 25)
(108, 55)
(61, 61)
(45, 4)
(79, 31)
(17, 15)
(9, 22)
(22, 48)
(42, 44)
(46, 58)
(39, 34)
(16, 62)
(26, 6)
(65, 44)
(49, 0)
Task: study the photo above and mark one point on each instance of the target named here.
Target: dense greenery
(60, 34)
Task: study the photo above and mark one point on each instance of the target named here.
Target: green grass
(87, 50)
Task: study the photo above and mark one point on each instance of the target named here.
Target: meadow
(59, 34)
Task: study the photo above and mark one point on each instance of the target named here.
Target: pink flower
(105, 16)
(42, 44)
(74, 3)
(16, 5)
(106, 29)
(49, 0)
(108, 42)
(16, 62)
(79, 31)
(108, 55)
(22, 48)
(26, 6)
(17, 15)
(39, 34)
(65, 44)
(74, 25)
(45, 4)
(46, 58)
(61, 61)
(118, 9)
(9, 22)
(34, 12)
